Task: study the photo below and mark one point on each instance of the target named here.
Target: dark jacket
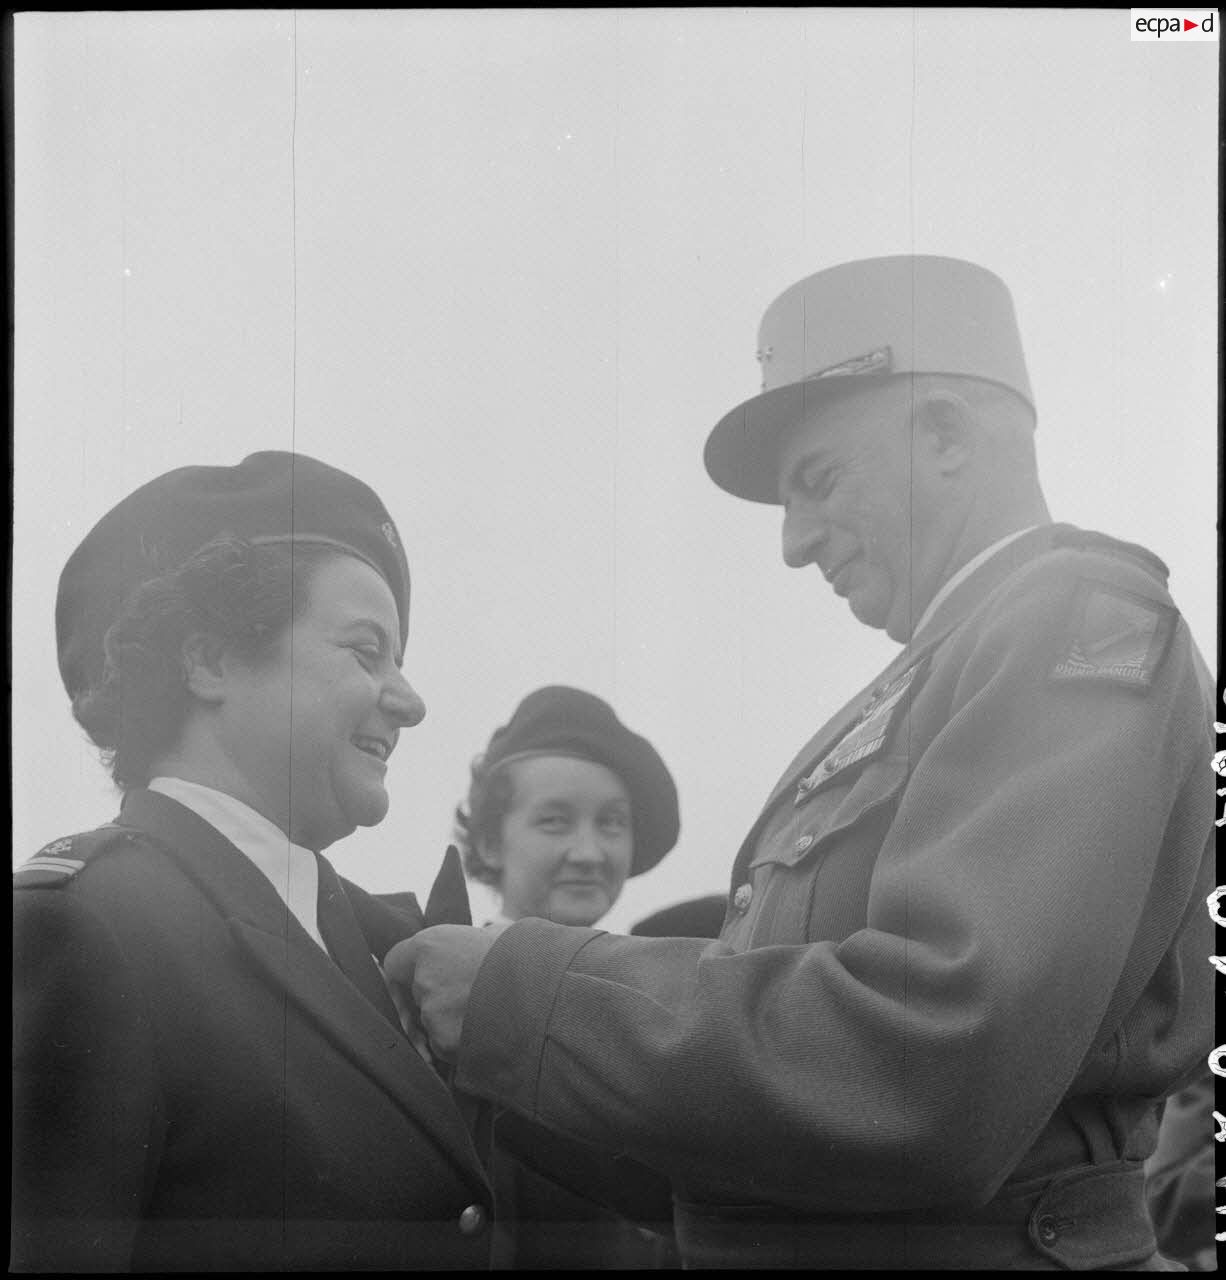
(1179, 1177)
(960, 968)
(198, 1086)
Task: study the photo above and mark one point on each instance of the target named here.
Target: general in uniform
(963, 956)
(209, 1072)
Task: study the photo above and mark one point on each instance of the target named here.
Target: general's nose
(402, 702)
(802, 534)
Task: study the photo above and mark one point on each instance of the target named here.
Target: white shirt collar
(290, 869)
(965, 572)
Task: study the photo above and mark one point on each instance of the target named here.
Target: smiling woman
(566, 842)
(302, 731)
(565, 804)
(209, 1073)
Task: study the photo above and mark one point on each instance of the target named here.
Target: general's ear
(204, 668)
(944, 431)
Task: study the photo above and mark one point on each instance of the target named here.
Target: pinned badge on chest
(866, 738)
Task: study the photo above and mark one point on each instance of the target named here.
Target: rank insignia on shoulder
(55, 864)
(1115, 636)
(48, 867)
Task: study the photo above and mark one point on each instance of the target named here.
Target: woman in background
(566, 804)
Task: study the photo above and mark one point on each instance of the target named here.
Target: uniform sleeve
(614, 1183)
(85, 1114)
(1039, 864)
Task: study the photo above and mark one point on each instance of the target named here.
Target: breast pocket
(810, 880)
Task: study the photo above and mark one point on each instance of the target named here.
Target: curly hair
(479, 818)
(240, 595)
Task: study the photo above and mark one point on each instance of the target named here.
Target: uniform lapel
(951, 612)
(225, 875)
(327, 997)
(285, 958)
(346, 943)
(804, 760)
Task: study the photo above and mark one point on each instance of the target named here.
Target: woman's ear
(490, 855)
(204, 671)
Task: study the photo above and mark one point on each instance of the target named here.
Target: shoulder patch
(1115, 635)
(1087, 540)
(54, 865)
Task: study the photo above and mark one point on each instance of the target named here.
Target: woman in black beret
(208, 1071)
(564, 805)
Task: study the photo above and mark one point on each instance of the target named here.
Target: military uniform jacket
(964, 956)
(199, 1086)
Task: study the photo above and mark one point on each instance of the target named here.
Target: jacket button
(828, 765)
(1047, 1229)
(802, 844)
(743, 897)
(472, 1220)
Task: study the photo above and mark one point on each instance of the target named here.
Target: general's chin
(870, 609)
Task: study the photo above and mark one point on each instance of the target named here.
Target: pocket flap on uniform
(833, 810)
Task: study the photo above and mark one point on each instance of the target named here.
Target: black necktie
(348, 946)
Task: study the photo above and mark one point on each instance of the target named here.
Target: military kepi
(867, 320)
(268, 497)
(560, 721)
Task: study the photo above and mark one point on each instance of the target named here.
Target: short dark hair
(479, 818)
(240, 594)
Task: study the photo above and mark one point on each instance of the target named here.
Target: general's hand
(436, 968)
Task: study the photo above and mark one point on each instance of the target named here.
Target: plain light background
(508, 267)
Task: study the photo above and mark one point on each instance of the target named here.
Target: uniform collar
(978, 578)
(289, 868)
(336, 997)
(965, 572)
(959, 601)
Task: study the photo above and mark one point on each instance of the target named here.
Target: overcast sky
(509, 267)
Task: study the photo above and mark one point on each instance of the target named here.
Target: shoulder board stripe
(52, 867)
(45, 873)
(74, 863)
(67, 866)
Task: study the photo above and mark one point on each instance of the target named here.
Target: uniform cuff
(509, 1011)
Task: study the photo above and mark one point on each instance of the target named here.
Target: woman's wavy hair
(237, 594)
(479, 818)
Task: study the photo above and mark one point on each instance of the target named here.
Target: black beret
(697, 918)
(558, 720)
(268, 497)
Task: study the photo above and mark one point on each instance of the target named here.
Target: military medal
(868, 735)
